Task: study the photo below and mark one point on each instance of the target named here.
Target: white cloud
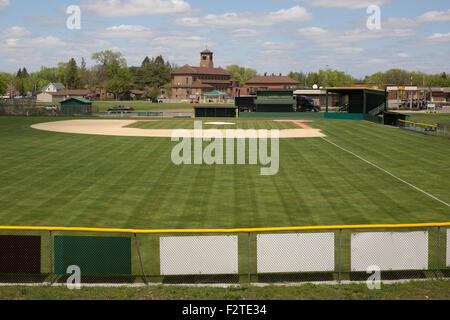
(39, 42)
(439, 37)
(377, 61)
(244, 33)
(349, 50)
(132, 8)
(239, 20)
(175, 42)
(435, 16)
(349, 4)
(4, 4)
(125, 31)
(403, 55)
(326, 38)
(15, 32)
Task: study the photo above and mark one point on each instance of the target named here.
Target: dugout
(76, 106)
(391, 118)
(355, 100)
(275, 100)
(216, 112)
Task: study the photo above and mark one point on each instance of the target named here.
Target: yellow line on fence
(239, 230)
(420, 124)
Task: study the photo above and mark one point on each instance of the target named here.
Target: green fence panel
(345, 116)
(94, 255)
(20, 254)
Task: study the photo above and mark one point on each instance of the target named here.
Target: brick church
(193, 82)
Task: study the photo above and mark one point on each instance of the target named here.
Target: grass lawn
(148, 106)
(419, 290)
(143, 105)
(58, 179)
(207, 124)
(432, 118)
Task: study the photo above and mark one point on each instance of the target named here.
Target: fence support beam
(340, 255)
(438, 252)
(140, 259)
(51, 257)
(249, 259)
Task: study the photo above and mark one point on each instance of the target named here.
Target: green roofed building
(357, 103)
(275, 100)
(76, 106)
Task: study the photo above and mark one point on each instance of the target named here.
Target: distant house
(59, 96)
(12, 92)
(271, 82)
(54, 87)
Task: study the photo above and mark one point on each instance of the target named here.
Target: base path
(118, 128)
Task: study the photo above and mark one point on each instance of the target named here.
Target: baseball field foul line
(385, 171)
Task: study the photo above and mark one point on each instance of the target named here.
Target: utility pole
(412, 94)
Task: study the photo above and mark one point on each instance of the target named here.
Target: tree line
(112, 73)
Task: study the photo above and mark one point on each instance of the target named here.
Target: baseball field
(359, 173)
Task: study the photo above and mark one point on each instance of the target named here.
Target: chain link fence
(439, 129)
(317, 254)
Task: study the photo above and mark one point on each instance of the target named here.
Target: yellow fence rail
(237, 230)
(417, 123)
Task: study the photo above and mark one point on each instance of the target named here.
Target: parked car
(194, 101)
(121, 109)
(306, 104)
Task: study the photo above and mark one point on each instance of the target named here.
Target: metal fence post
(249, 259)
(51, 257)
(438, 251)
(340, 254)
(140, 259)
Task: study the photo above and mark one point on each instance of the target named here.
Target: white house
(54, 87)
(61, 95)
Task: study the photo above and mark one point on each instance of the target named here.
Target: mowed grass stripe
(423, 164)
(69, 188)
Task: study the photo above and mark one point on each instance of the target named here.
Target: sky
(273, 36)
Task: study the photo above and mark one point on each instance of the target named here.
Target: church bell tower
(206, 60)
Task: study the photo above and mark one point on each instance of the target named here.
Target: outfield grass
(431, 118)
(419, 290)
(56, 179)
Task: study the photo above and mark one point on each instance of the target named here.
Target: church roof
(187, 69)
(272, 79)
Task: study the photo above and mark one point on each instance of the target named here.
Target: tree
(72, 75)
(105, 60)
(22, 82)
(154, 93)
(3, 86)
(241, 74)
(153, 72)
(118, 77)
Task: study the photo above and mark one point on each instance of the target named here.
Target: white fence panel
(299, 252)
(389, 250)
(199, 255)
